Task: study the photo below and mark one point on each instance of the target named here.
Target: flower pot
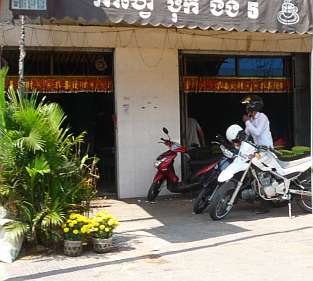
(72, 248)
(102, 245)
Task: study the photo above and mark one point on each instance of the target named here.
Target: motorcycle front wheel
(305, 201)
(202, 201)
(154, 190)
(219, 207)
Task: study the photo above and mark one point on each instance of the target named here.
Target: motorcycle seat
(293, 161)
(290, 157)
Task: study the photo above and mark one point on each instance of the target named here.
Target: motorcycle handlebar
(263, 147)
(226, 145)
(260, 147)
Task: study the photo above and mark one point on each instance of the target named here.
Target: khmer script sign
(241, 15)
(252, 15)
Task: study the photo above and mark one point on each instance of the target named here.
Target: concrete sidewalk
(165, 241)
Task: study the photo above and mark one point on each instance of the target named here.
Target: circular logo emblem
(288, 14)
(101, 64)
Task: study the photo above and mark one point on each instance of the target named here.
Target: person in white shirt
(257, 126)
(194, 133)
(257, 123)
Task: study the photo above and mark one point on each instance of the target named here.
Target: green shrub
(42, 175)
(3, 73)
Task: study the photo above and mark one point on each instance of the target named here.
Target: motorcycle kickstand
(289, 210)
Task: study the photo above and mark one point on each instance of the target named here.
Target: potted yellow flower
(103, 225)
(75, 230)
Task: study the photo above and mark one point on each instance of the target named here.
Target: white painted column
(146, 85)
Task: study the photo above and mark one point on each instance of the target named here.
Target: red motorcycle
(166, 172)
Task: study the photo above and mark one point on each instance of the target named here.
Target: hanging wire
(216, 34)
(36, 38)
(180, 35)
(159, 60)
(180, 38)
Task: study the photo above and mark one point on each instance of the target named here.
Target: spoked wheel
(202, 201)
(305, 201)
(154, 190)
(219, 207)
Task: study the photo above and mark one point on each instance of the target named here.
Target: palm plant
(42, 175)
(3, 73)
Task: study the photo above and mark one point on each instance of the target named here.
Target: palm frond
(53, 218)
(69, 143)
(14, 100)
(26, 210)
(37, 218)
(28, 118)
(68, 169)
(32, 142)
(54, 114)
(38, 166)
(16, 229)
(3, 74)
(7, 153)
(4, 191)
(21, 102)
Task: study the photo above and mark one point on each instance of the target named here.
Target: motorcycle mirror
(220, 138)
(165, 130)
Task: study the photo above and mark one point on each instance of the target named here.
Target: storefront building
(152, 76)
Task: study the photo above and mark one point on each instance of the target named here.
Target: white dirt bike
(259, 173)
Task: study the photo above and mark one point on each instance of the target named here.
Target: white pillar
(146, 87)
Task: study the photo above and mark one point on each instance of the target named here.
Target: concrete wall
(155, 38)
(147, 98)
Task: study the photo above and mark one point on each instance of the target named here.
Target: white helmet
(232, 132)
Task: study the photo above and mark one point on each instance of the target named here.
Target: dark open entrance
(214, 85)
(94, 114)
(216, 112)
(86, 110)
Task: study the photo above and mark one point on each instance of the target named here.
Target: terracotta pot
(72, 248)
(102, 245)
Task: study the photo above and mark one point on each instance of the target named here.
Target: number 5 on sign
(253, 10)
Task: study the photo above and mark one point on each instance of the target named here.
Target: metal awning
(292, 16)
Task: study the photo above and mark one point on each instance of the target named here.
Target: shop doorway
(93, 114)
(88, 104)
(216, 112)
(212, 87)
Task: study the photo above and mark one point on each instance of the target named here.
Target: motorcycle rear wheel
(154, 190)
(202, 201)
(305, 202)
(219, 207)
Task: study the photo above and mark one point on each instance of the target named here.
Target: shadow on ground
(171, 220)
(177, 223)
(158, 255)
